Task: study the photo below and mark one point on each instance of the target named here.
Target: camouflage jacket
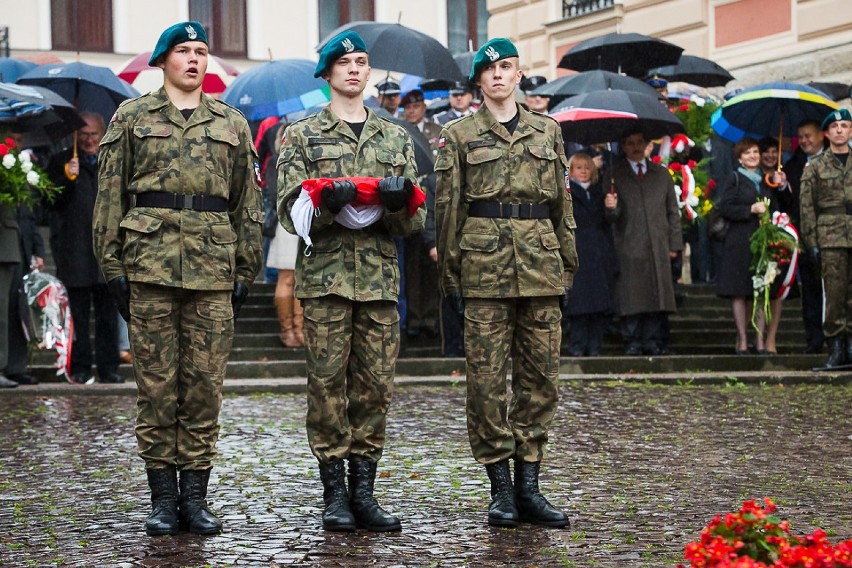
(826, 199)
(150, 147)
(361, 264)
(484, 257)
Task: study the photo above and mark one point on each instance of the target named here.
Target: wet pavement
(640, 468)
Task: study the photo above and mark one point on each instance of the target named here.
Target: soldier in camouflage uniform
(826, 202)
(348, 281)
(507, 259)
(177, 234)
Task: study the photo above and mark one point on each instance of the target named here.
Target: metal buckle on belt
(187, 202)
(514, 210)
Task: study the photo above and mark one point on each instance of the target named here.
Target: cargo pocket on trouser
(539, 334)
(377, 326)
(211, 334)
(153, 334)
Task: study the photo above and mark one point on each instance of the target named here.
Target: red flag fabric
(368, 192)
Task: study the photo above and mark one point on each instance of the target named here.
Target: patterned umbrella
(145, 78)
(770, 109)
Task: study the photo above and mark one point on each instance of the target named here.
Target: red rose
(691, 164)
(711, 185)
(657, 159)
(3, 149)
(10, 143)
(684, 108)
(675, 166)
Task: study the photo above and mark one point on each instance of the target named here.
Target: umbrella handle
(767, 178)
(68, 174)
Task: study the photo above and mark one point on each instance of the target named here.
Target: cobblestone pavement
(641, 469)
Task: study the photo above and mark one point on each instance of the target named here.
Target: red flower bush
(756, 538)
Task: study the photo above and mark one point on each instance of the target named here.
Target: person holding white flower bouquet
(745, 197)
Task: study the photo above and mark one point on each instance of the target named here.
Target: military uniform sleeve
(808, 209)
(400, 222)
(115, 167)
(449, 218)
(245, 210)
(562, 216)
(292, 171)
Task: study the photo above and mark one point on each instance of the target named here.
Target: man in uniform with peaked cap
(826, 209)
(507, 259)
(389, 96)
(535, 103)
(177, 235)
(349, 281)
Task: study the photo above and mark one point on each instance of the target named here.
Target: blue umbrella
(89, 87)
(11, 69)
(276, 88)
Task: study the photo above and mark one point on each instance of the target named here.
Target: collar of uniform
(161, 100)
(330, 121)
(485, 121)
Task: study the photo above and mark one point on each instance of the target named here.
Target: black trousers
(586, 334)
(811, 302)
(18, 354)
(106, 330)
(452, 330)
(644, 330)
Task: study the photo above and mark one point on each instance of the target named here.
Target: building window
(467, 25)
(335, 13)
(225, 24)
(577, 8)
(84, 25)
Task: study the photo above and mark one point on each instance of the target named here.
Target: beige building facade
(756, 40)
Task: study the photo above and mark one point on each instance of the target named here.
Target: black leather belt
(178, 201)
(508, 210)
(839, 210)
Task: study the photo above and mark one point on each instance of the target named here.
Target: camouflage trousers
(180, 340)
(529, 330)
(837, 289)
(351, 357)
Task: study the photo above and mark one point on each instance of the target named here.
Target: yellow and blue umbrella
(770, 109)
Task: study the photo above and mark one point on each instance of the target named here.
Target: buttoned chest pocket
(543, 169)
(393, 163)
(324, 160)
(218, 151)
(155, 147)
(485, 174)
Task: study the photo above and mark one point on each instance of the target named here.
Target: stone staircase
(702, 342)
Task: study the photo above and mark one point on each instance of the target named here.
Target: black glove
(119, 289)
(238, 296)
(815, 255)
(395, 191)
(338, 194)
(565, 300)
(457, 303)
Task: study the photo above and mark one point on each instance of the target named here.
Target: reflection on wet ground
(640, 468)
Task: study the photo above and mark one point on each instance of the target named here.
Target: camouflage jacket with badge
(358, 264)
(478, 160)
(826, 202)
(147, 147)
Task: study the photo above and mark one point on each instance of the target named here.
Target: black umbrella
(572, 85)
(835, 91)
(394, 47)
(695, 71)
(629, 53)
(603, 116)
(465, 61)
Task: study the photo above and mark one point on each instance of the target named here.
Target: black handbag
(717, 225)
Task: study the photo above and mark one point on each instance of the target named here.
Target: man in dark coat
(71, 243)
(10, 258)
(647, 232)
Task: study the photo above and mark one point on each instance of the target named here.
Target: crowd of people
(500, 243)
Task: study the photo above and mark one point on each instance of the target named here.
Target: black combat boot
(532, 506)
(836, 351)
(164, 502)
(502, 511)
(368, 514)
(195, 515)
(336, 516)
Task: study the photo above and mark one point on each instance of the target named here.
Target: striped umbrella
(770, 109)
(145, 78)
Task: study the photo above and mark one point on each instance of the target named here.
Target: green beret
(834, 116)
(178, 33)
(493, 50)
(337, 47)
